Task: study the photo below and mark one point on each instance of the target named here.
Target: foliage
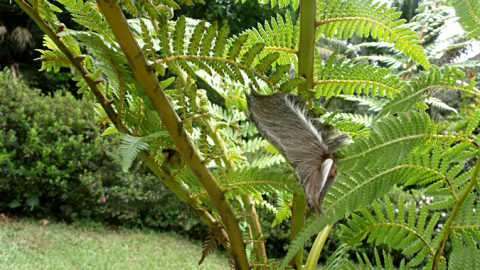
(144, 72)
(54, 163)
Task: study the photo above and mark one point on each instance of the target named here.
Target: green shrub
(53, 162)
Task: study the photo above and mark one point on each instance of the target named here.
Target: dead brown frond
(214, 239)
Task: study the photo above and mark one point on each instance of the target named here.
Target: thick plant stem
(253, 220)
(168, 180)
(448, 224)
(306, 51)
(306, 54)
(299, 209)
(317, 247)
(147, 79)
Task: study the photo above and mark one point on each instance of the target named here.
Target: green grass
(29, 245)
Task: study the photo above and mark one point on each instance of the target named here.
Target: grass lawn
(28, 245)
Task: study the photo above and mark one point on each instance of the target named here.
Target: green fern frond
(349, 77)
(353, 124)
(350, 191)
(373, 104)
(268, 160)
(52, 58)
(279, 35)
(47, 11)
(279, 3)
(340, 259)
(238, 58)
(256, 181)
(391, 138)
(406, 231)
(361, 179)
(86, 14)
(130, 148)
(450, 78)
(366, 263)
(283, 210)
(465, 252)
(468, 216)
(343, 19)
(392, 62)
(253, 145)
(469, 13)
(440, 167)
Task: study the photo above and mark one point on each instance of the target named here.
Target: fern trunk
(306, 54)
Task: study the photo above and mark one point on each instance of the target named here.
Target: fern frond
(362, 179)
(340, 259)
(349, 77)
(373, 104)
(441, 167)
(280, 3)
(465, 252)
(255, 180)
(46, 11)
(405, 231)
(440, 105)
(52, 58)
(283, 210)
(130, 148)
(450, 78)
(266, 161)
(279, 35)
(391, 138)
(365, 18)
(86, 14)
(214, 239)
(469, 13)
(353, 124)
(468, 217)
(239, 58)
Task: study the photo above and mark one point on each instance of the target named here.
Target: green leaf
(109, 131)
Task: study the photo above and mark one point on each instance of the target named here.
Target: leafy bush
(54, 163)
